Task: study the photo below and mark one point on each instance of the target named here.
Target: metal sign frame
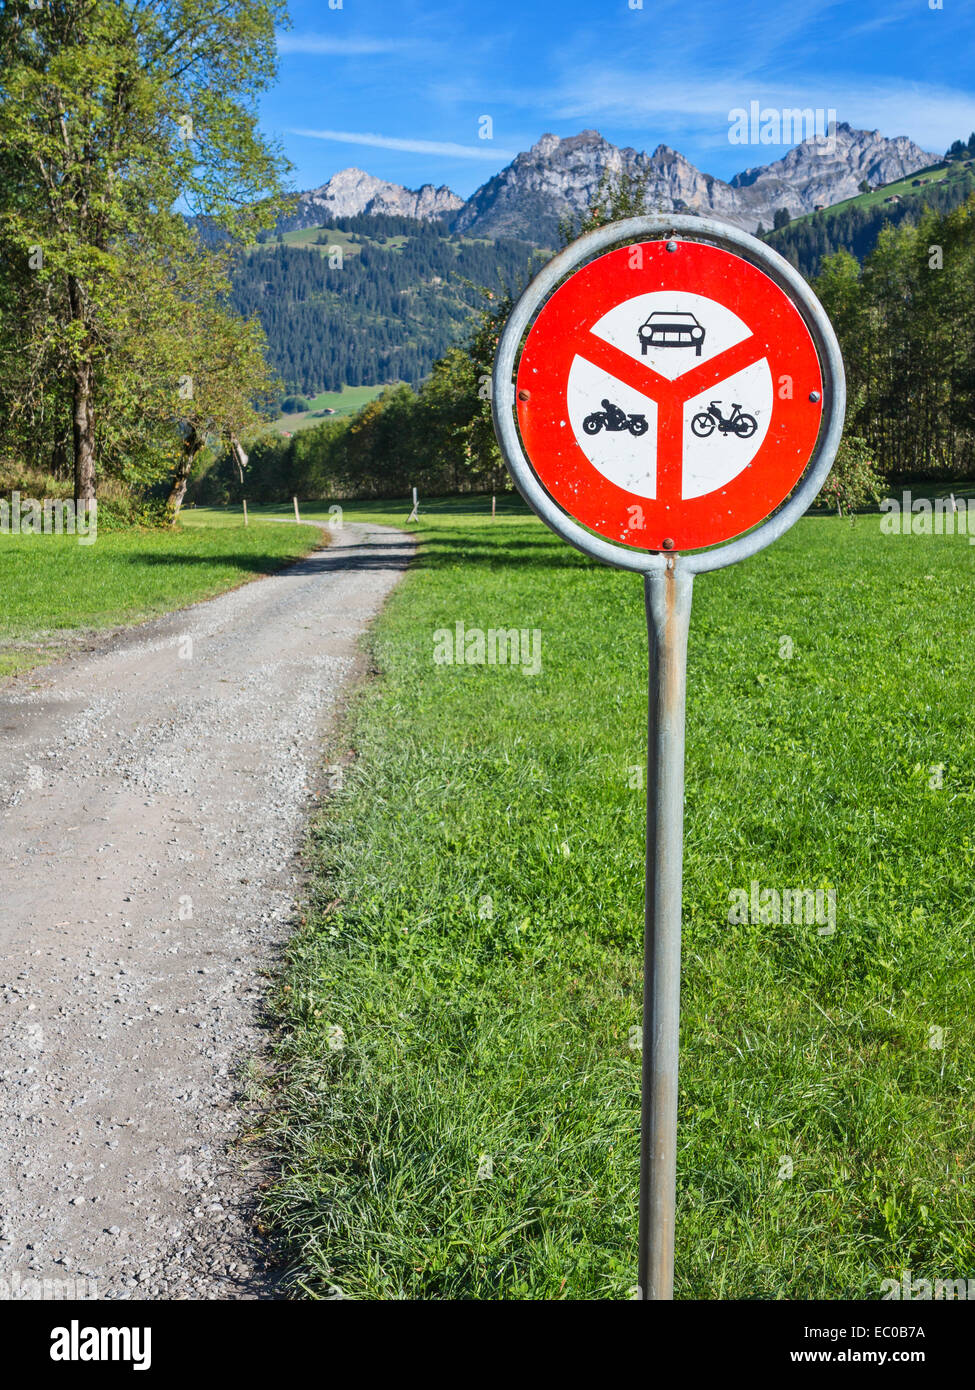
(738, 243)
(668, 585)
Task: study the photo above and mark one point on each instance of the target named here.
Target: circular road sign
(671, 393)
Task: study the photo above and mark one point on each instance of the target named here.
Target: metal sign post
(612, 406)
(668, 602)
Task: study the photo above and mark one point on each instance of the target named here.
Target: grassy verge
(458, 1114)
(53, 588)
(342, 403)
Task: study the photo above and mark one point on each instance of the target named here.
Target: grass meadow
(342, 403)
(55, 589)
(457, 1090)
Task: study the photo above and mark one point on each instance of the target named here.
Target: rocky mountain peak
(353, 191)
(559, 176)
(545, 147)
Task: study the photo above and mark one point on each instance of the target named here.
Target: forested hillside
(370, 299)
(375, 299)
(855, 226)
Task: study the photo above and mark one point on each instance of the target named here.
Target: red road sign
(669, 395)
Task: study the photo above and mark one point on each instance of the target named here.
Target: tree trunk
(181, 480)
(59, 458)
(181, 475)
(239, 457)
(83, 413)
(84, 434)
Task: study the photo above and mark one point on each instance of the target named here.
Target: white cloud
(322, 43)
(390, 142)
(930, 115)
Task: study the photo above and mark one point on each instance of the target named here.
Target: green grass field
(456, 1103)
(55, 589)
(308, 237)
(344, 402)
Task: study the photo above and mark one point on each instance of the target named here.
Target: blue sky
(398, 87)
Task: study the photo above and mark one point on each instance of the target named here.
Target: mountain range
(559, 177)
(351, 192)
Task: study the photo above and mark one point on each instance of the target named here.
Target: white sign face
(672, 333)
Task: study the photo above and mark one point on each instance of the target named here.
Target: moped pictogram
(738, 422)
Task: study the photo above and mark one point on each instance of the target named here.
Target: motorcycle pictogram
(738, 422)
(613, 419)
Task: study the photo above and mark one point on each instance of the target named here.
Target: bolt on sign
(669, 395)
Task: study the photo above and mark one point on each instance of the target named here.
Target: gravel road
(154, 793)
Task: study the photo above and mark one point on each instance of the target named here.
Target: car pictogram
(671, 328)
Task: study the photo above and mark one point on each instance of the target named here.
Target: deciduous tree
(118, 123)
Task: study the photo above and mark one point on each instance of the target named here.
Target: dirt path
(153, 797)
